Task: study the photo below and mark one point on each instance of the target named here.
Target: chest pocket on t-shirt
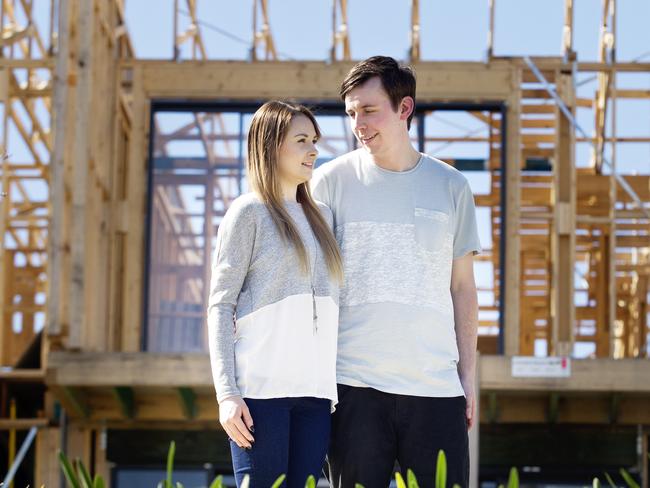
(431, 228)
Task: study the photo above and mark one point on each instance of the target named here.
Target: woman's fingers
(248, 419)
(236, 436)
(238, 423)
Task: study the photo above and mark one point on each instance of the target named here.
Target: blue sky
(450, 30)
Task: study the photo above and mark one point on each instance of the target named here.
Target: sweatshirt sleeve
(230, 263)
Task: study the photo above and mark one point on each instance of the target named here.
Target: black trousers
(372, 429)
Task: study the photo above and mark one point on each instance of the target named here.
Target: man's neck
(402, 158)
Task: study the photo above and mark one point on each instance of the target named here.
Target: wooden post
(345, 31)
(5, 200)
(136, 202)
(47, 471)
(101, 159)
(58, 242)
(613, 187)
(415, 31)
(512, 178)
(79, 445)
(82, 122)
(490, 36)
(604, 322)
(563, 229)
(102, 466)
(567, 33)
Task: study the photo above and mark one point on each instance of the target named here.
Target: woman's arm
(230, 265)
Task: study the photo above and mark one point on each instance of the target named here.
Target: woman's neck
(289, 191)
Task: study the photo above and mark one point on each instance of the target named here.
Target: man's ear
(406, 108)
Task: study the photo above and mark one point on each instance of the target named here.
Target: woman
(273, 307)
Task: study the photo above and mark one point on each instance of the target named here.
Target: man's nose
(359, 121)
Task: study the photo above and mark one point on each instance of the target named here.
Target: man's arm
(463, 295)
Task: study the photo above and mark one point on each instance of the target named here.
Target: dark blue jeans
(291, 437)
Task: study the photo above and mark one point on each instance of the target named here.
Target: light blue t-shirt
(399, 233)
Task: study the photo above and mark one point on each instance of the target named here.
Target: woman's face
(298, 152)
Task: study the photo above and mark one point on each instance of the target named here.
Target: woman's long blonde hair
(267, 132)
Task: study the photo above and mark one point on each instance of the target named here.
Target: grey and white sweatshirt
(263, 338)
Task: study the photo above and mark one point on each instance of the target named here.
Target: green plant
(513, 478)
(626, 477)
(441, 470)
(168, 481)
(218, 482)
(441, 475)
(310, 483)
(411, 480)
(279, 481)
(399, 480)
(77, 474)
(78, 477)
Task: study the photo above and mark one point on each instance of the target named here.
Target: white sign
(533, 367)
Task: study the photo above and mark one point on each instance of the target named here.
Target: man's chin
(372, 149)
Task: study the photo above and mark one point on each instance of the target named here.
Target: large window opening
(197, 166)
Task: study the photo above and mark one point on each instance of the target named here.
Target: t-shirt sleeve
(327, 214)
(465, 229)
(320, 188)
(230, 264)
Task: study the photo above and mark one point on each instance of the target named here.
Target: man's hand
(237, 421)
(470, 397)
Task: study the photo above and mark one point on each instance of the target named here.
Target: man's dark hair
(397, 80)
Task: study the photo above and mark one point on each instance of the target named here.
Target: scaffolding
(99, 235)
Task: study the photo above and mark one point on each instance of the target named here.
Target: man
(407, 336)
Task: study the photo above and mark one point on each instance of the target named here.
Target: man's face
(372, 118)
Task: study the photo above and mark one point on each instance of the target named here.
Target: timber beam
(75, 369)
(187, 397)
(126, 399)
(600, 391)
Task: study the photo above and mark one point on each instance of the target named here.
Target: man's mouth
(308, 165)
(366, 140)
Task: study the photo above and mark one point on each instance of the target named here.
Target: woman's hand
(237, 421)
